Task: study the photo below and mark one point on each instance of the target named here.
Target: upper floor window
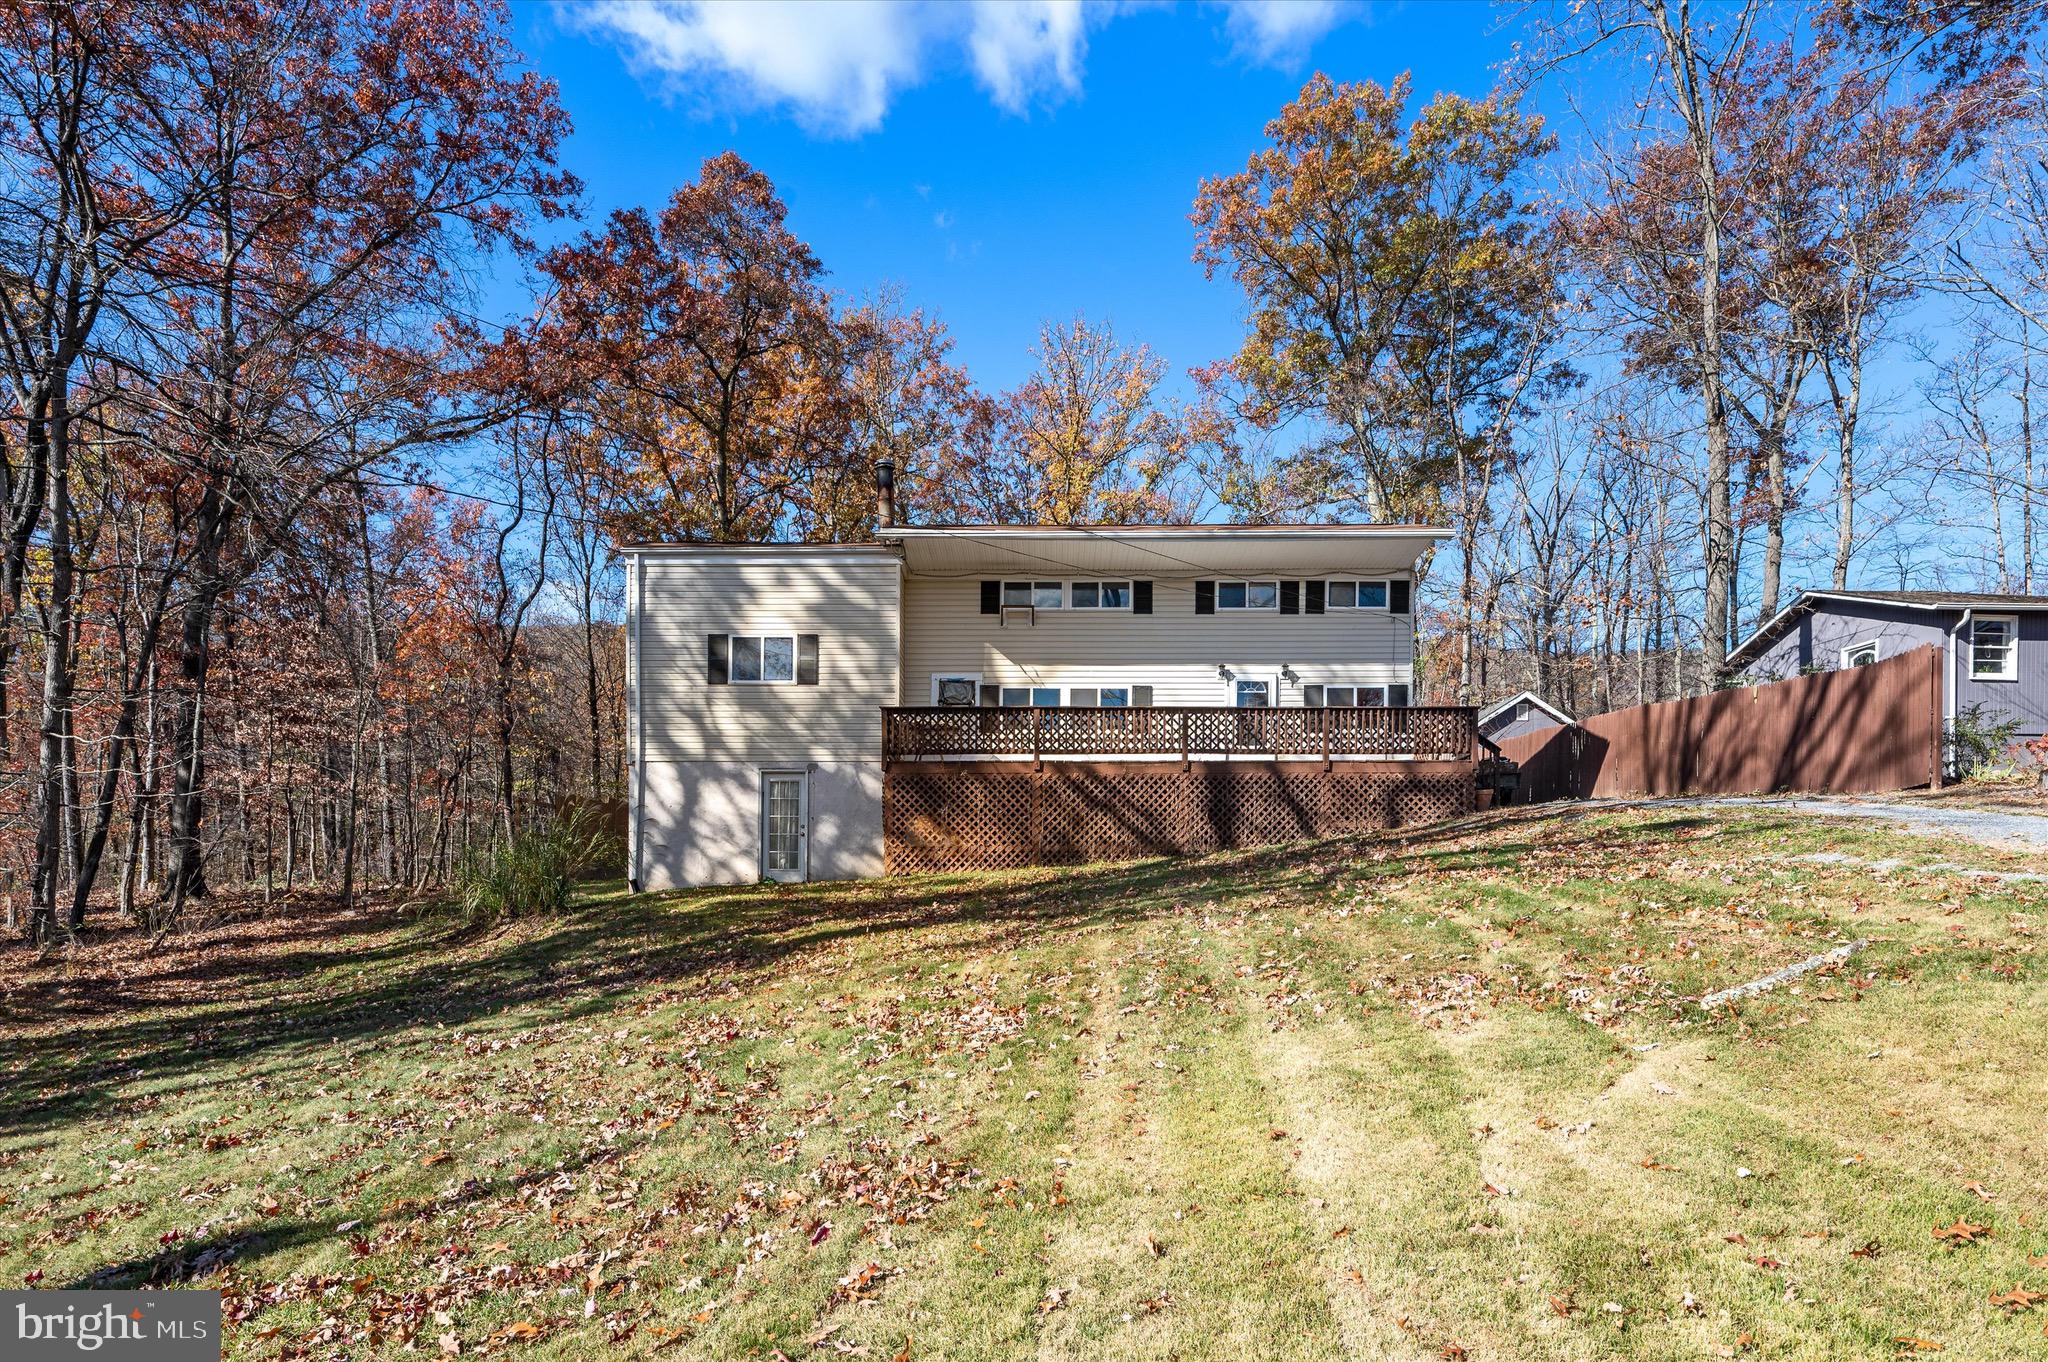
(1031, 695)
(1042, 595)
(1356, 595)
(1247, 595)
(1100, 596)
(1994, 648)
(1860, 654)
(763, 659)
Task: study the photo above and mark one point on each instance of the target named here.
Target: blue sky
(1003, 165)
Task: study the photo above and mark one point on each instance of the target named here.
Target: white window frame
(1030, 700)
(1354, 687)
(1126, 687)
(731, 658)
(1384, 584)
(1098, 583)
(1271, 680)
(1407, 690)
(1032, 587)
(1850, 652)
(2011, 670)
(974, 677)
(1248, 583)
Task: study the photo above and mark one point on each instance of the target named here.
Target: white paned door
(785, 825)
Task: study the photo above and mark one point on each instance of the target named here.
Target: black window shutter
(1397, 597)
(1315, 597)
(1082, 697)
(1312, 696)
(991, 695)
(807, 659)
(1205, 598)
(991, 598)
(1290, 598)
(717, 670)
(1141, 696)
(1141, 598)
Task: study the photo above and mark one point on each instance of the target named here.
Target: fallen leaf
(1869, 1250)
(1907, 1343)
(2018, 1299)
(1961, 1233)
(1978, 1190)
(1562, 1305)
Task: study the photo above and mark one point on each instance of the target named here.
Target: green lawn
(1445, 1097)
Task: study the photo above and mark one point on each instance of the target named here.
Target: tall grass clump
(530, 875)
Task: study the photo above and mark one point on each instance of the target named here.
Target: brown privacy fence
(1858, 731)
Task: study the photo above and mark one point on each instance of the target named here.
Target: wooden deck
(1186, 733)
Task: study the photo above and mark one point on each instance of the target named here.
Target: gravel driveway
(2013, 831)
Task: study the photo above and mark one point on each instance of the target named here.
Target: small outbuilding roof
(1519, 697)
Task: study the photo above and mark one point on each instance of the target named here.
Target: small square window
(1372, 595)
(1994, 649)
(1116, 595)
(1115, 697)
(1372, 696)
(754, 660)
(1230, 595)
(1339, 697)
(1016, 593)
(1397, 696)
(1046, 595)
(1343, 595)
(1016, 695)
(1261, 595)
(1045, 695)
(1860, 655)
(1087, 595)
(746, 659)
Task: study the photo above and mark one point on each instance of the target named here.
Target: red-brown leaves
(1961, 1233)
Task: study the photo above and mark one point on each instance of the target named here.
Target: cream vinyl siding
(853, 608)
(1173, 650)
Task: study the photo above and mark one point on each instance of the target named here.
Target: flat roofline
(1143, 531)
(782, 550)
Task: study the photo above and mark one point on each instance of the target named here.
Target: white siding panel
(852, 607)
(1173, 650)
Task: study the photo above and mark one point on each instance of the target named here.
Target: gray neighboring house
(1523, 712)
(1994, 646)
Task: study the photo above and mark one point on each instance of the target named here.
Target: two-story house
(953, 695)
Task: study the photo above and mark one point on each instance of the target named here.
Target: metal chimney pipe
(885, 493)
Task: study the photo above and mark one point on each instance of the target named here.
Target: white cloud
(835, 66)
(1026, 49)
(1281, 30)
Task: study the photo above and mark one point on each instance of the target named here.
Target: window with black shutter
(1141, 598)
(807, 659)
(1314, 604)
(717, 667)
(1290, 598)
(1397, 597)
(1205, 598)
(991, 598)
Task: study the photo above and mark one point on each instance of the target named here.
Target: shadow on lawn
(229, 1012)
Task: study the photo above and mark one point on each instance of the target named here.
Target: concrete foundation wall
(703, 821)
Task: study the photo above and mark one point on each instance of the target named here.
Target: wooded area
(307, 565)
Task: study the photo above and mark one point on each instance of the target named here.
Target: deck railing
(1415, 733)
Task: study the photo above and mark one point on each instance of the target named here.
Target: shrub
(530, 875)
(1978, 744)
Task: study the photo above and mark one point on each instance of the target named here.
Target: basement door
(785, 825)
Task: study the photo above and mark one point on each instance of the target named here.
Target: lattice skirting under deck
(988, 815)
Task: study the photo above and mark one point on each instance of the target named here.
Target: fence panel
(1860, 731)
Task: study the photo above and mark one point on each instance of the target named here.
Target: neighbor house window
(1859, 654)
(1100, 596)
(1994, 648)
(1043, 595)
(1356, 595)
(1247, 595)
(1031, 695)
(763, 659)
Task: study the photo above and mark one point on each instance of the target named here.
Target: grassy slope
(1370, 1099)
